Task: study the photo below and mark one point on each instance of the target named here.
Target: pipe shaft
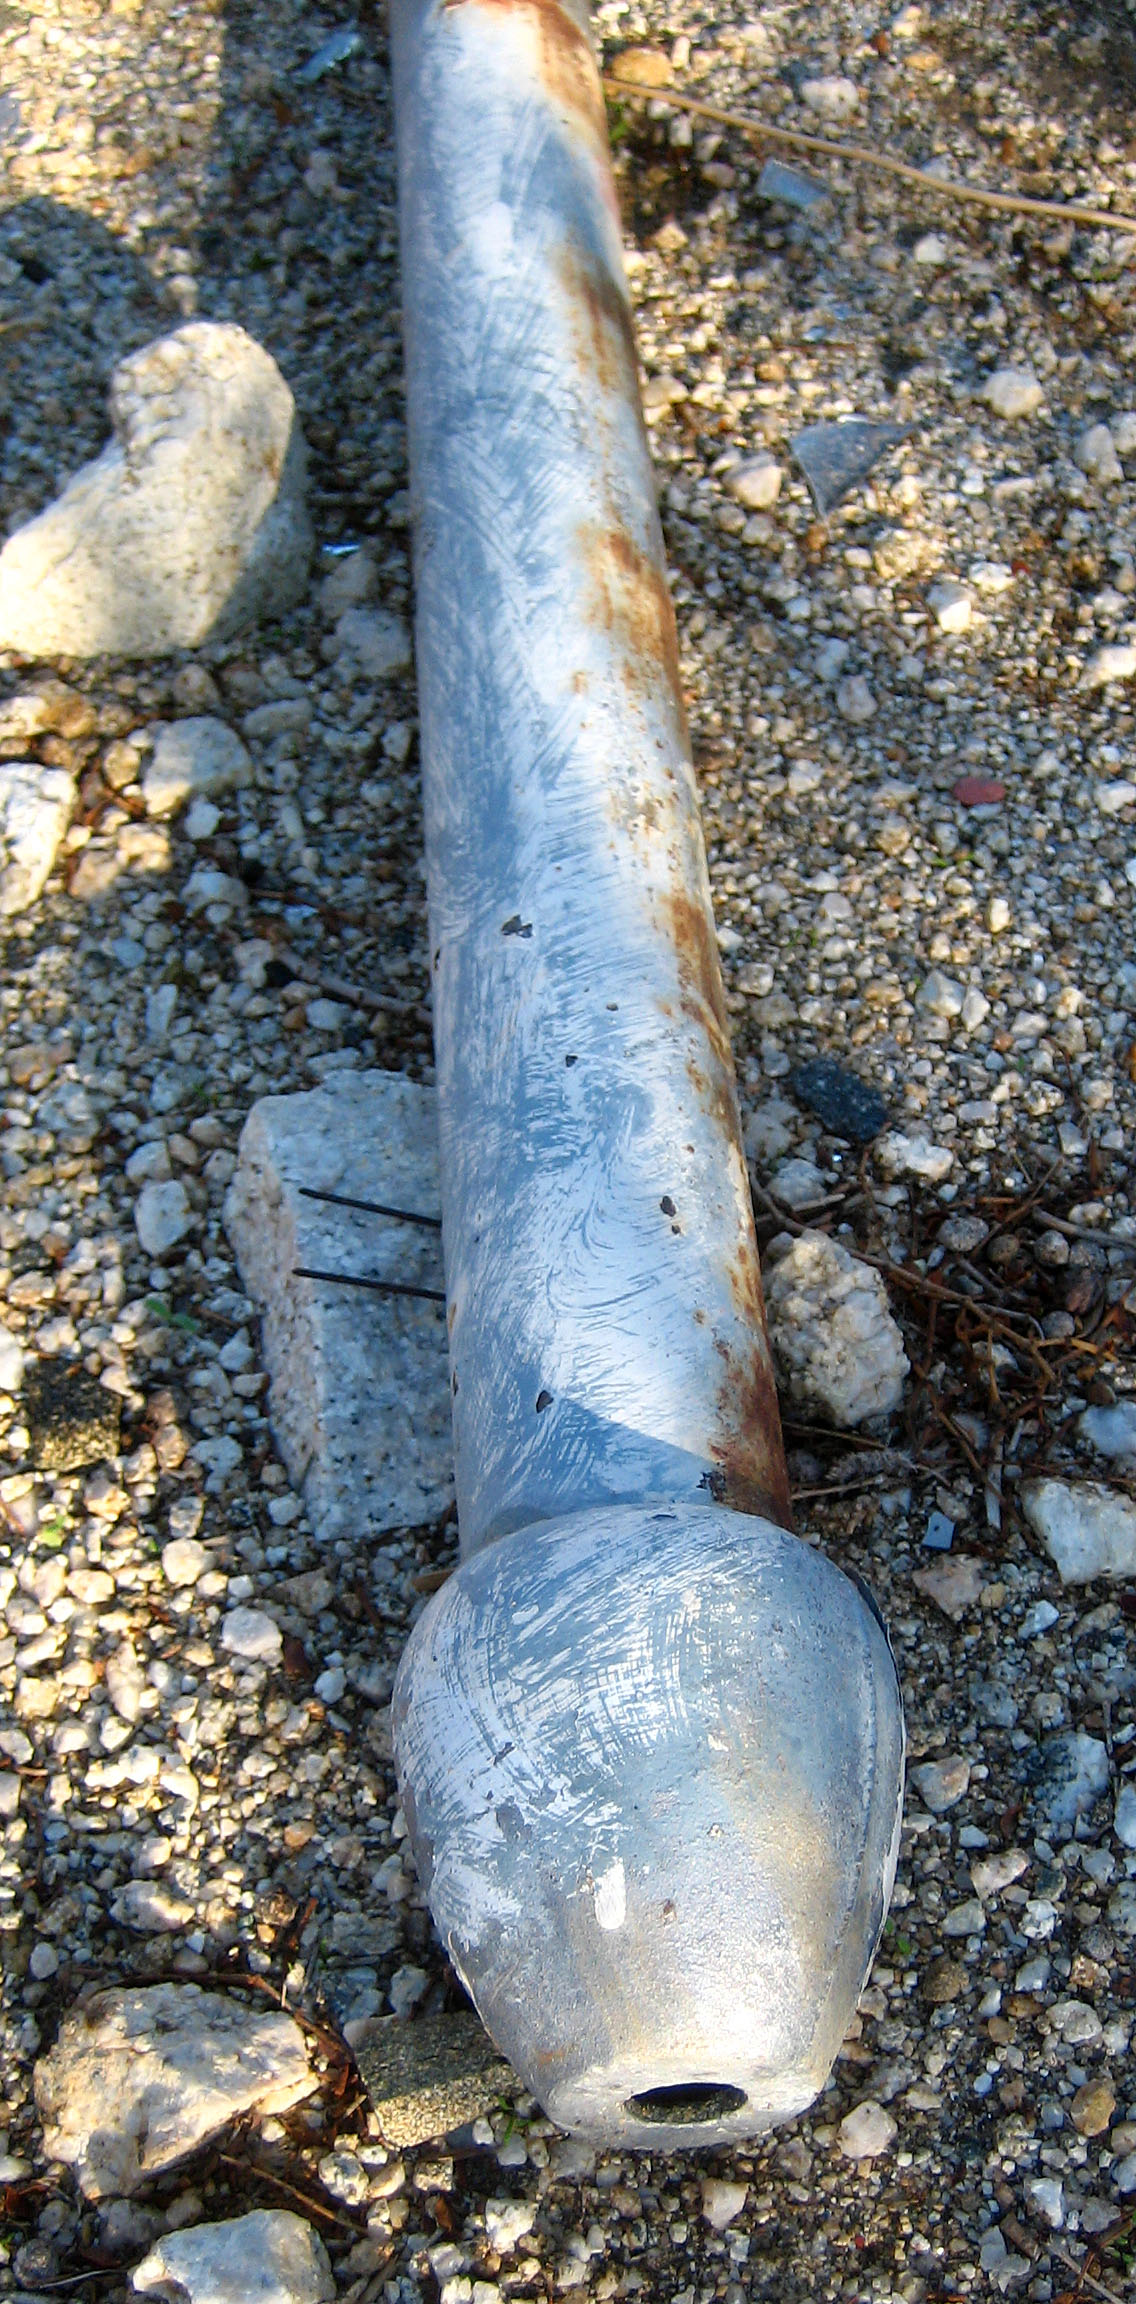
(606, 1325)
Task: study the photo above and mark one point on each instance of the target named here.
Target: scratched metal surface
(606, 1325)
(652, 1764)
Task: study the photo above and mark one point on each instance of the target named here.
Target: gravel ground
(970, 955)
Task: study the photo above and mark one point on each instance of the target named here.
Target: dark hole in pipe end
(686, 2105)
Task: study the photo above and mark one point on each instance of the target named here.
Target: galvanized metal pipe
(649, 1744)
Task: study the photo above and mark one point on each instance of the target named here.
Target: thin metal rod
(372, 1207)
(363, 1280)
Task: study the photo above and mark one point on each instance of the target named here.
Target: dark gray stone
(846, 1104)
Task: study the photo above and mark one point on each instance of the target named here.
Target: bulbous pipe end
(651, 1760)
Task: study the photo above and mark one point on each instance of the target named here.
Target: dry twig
(882, 163)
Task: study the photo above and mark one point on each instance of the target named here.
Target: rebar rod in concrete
(649, 1742)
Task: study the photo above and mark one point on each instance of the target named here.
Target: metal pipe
(649, 1744)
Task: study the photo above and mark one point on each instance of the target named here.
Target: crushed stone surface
(913, 724)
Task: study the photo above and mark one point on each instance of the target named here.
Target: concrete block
(359, 1385)
(430, 2075)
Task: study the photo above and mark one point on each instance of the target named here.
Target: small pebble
(507, 2222)
(184, 1561)
(1125, 1819)
(1046, 2196)
(978, 792)
(1111, 1431)
(951, 607)
(162, 1217)
(941, 1783)
(252, 1635)
(846, 1105)
(866, 2132)
(1116, 662)
(1096, 454)
(946, 1980)
(941, 995)
(938, 1536)
(1012, 392)
(722, 2201)
(1092, 2107)
(991, 1874)
(831, 97)
(756, 484)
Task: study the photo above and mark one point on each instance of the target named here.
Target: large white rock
(267, 2257)
(359, 1394)
(192, 758)
(190, 524)
(35, 811)
(138, 2079)
(1087, 1530)
(835, 1342)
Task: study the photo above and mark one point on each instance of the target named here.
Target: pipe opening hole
(687, 2105)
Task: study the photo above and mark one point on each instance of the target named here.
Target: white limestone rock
(269, 2256)
(1086, 1529)
(836, 1345)
(192, 522)
(139, 2079)
(35, 811)
(192, 759)
(359, 1394)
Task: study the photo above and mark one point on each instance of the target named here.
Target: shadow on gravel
(74, 300)
(301, 187)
